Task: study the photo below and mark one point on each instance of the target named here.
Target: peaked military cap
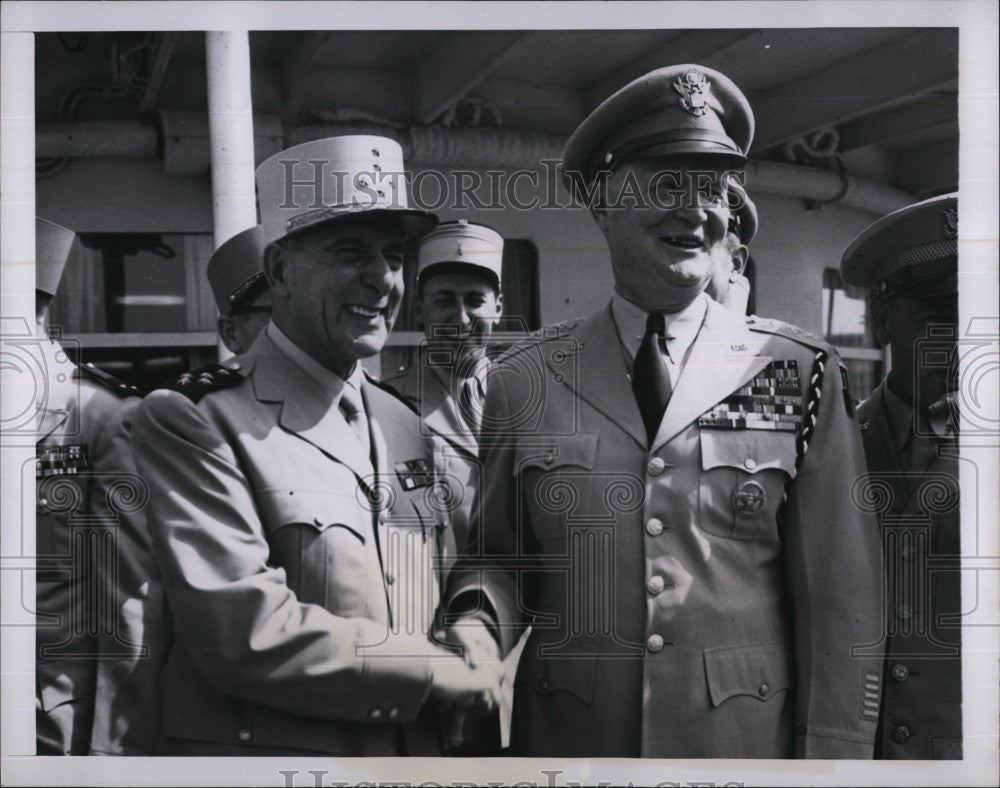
(236, 270)
(912, 250)
(52, 245)
(685, 109)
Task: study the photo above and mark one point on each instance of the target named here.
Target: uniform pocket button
(750, 463)
(245, 734)
(901, 734)
(900, 672)
(764, 689)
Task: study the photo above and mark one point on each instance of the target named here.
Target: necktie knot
(655, 324)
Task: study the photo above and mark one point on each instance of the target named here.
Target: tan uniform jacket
(301, 588)
(680, 606)
(86, 488)
(921, 714)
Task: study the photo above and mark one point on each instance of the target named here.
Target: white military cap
(331, 179)
(236, 270)
(463, 243)
(912, 250)
(52, 245)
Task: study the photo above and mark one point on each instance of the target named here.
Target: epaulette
(769, 325)
(198, 382)
(391, 390)
(527, 342)
(110, 382)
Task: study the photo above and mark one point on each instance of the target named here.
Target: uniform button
(43, 501)
(393, 713)
(901, 735)
(750, 463)
(900, 672)
(654, 526)
(905, 612)
(245, 734)
(654, 643)
(654, 585)
(376, 714)
(763, 689)
(390, 579)
(656, 466)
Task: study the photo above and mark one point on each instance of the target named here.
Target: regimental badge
(61, 460)
(748, 499)
(771, 401)
(693, 88)
(413, 474)
(950, 229)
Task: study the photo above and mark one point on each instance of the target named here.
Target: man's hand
(479, 647)
(458, 687)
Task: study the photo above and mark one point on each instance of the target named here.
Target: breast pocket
(556, 482)
(744, 473)
(325, 544)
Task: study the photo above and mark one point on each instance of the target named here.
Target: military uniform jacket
(680, 606)
(301, 586)
(918, 512)
(85, 486)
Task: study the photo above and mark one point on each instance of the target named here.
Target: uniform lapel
(306, 410)
(723, 357)
(440, 415)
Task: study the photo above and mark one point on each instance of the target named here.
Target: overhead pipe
(513, 149)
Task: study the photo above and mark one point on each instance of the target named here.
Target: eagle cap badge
(693, 87)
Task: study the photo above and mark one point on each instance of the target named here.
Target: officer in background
(85, 484)
(729, 284)
(910, 430)
(290, 512)
(236, 274)
(663, 483)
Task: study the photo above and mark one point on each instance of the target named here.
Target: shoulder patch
(769, 325)
(392, 390)
(199, 382)
(110, 382)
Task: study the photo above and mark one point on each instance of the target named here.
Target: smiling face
(337, 288)
(664, 245)
(460, 309)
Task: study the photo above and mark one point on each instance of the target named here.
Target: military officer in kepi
(909, 425)
(85, 483)
(664, 483)
(293, 511)
(236, 275)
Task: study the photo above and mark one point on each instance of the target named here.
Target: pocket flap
(760, 670)
(317, 508)
(546, 675)
(749, 450)
(576, 450)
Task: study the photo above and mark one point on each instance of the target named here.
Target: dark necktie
(354, 413)
(650, 377)
(471, 403)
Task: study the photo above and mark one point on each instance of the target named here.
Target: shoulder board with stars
(769, 325)
(392, 390)
(199, 382)
(110, 382)
(771, 401)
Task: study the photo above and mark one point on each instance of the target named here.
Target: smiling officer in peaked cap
(909, 261)
(671, 514)
(290, 494)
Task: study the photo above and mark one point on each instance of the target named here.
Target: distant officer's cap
(236, 270)
(743, 219)
(52, 245)
(912, 251)
(461, 243)
(686, 109)
(330, 180)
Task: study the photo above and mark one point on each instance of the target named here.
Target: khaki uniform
(86, 488)
(299, 572)
(699, 599)
(917, 477)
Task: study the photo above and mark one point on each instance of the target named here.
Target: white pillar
(230, 128)
(20, 375)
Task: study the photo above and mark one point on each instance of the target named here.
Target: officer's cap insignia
(415, 473)
(61, 460)
(199, 382)
(748, 499)
(771, 401)
(950, 223)
(692, 88)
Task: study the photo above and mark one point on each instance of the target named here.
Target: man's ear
(740, 256)
(276, 269)
(880, 320)
(227, 333)
(499, 304)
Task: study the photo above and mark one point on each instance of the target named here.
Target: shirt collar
(900, 417)
(329, 382)
(683, 326)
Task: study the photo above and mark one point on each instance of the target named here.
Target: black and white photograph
(467, 393)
